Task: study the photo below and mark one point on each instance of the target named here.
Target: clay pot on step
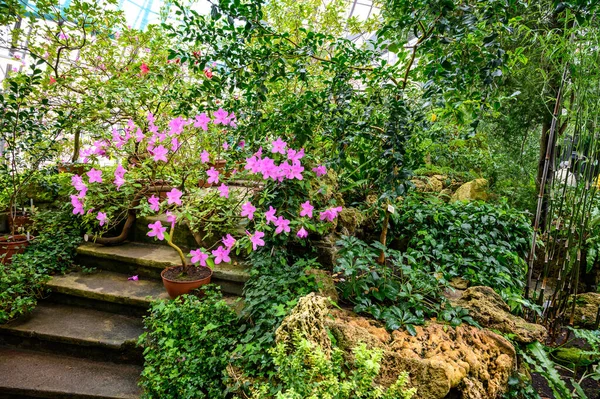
(11, 245)
(177, 287)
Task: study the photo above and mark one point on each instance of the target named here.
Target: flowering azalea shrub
(186, 153)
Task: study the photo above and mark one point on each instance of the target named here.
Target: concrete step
(77, 330)
(113, 292)
(32, 374)
(150, 260)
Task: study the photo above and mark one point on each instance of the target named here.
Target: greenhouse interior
(300, 199)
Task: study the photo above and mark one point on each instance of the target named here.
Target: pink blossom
(231, 120)
(77, 205)
(139, 135)
(256, 239)
(213, 175)
(330, 214)
(220, 117)
(119, 181)
(154, 202)
(171, 218)
(278, 146)
(248, 210)
(175, 144)
(221, 255)
(307, 209)
(295, 156)
(95, 175)
(229, 241)
(133, 278)
(151, 118)
(176, 126)
(78, 183)
(160, 153)
(198, 256)
(202, 121)
(120, 171)
(282, 225)
(223, 190)
(270, 215)
(208, 73)
(302, 233)
(63, 36)
(174, 197)
(225, 145)
(268, 168)
(157, 230)
(242, 144)
(320, 170)
(204, 157)
(144, 69)
(295, 171)
(253, 164)
(102, 218)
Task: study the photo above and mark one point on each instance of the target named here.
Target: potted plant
(180, 164)
(29, 133)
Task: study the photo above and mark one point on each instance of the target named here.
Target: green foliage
(400, 292)
(481, 242)
(53, 251)
(187, 347)
(307, 372)
(537, 357)
(274, 287)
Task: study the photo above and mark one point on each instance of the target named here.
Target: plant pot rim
(20, 237)
(187, 281)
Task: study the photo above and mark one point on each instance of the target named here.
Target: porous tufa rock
(490, 311)
(471, 191)
(586, 309)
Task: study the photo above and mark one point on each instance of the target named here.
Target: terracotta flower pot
(176, 288)
(11, 245)
(77, 169)
(219, 164)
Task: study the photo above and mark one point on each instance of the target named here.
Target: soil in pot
(178, 283)
(11, 245)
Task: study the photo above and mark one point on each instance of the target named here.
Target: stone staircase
(80, 342)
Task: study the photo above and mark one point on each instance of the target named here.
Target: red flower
(144, 69)
(52, 80)
(208, 73)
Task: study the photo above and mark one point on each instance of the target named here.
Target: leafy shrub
(401, 292)
(308, 373)
(272, 290)
(53, 251)
(187, 346)
(483, 243)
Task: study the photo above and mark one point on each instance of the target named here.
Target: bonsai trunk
(176, 248)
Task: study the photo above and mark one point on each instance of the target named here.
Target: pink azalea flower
(95, 175)
(63, 36)
(208, 73)
(223, 190)
(248, 210)
(77, 205)
(133, 278)
(120, 171)
(295, 171)
(176, 126)
(119, 181)
(221, 255)
(144, 69)
(157, 230)
(253, 164)
(295, 156)
(78, 183)
(174, 197)
(175, 144)
(139, 135)
(242, 144)
(282, 225)
(270, 215)
(154, 202)
(229, 241)
(307, 209)
(268, 168)
(198, 256)
(256, 239)
(204, 157)
(171, 218)
(330, 214)
(320, 170)
(213, 175)
(302, 233)
(232, 120)
(202, 121)
(220, 117)
(160, 154)
(278, 146)
(102, 218)
(151, 118)
(225, 146)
